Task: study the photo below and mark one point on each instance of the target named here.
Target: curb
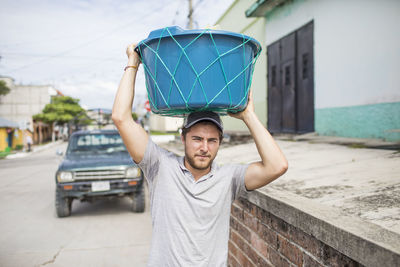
(34, 150)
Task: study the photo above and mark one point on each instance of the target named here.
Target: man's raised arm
(133, 135)
(273, 163)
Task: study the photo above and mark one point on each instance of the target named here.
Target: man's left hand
(249, 109)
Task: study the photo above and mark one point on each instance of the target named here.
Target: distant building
(10, 135)
(101, 119)
(165, 124)
(330, 67)
(24, 101)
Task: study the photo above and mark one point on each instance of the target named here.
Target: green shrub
(4, 154)
(19, 147)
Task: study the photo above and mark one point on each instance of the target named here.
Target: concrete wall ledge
(364, 242)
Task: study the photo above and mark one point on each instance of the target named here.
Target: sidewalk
(35, 148)
(361, 182)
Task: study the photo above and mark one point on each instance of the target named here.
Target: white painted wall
(165, 124)
(234, 19)
(24, 101)
(356, 48)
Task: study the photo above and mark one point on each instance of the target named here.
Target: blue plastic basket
(193, 70)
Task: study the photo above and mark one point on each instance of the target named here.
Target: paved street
(103, 233)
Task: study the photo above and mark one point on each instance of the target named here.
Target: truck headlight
(63, 177)
(132, 172)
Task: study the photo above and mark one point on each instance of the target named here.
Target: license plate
(100, 186)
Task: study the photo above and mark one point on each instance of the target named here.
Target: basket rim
(178, 31)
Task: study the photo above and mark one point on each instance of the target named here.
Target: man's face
(201, 145)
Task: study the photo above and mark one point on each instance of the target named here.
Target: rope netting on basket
(197, 70)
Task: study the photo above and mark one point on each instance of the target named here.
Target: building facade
(234, 19)
(330, 67)
(24, 101)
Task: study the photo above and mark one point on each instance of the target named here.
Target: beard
(197, 164)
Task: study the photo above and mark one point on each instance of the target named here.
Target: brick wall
(258, 238)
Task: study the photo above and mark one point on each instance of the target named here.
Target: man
(191, 196)
(29, 141)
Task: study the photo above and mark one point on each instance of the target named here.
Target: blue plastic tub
(192, 70)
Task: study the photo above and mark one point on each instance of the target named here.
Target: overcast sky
(79, 46)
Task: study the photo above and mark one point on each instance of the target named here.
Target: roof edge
(261, 7)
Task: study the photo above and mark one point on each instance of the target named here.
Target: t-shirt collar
(205, 177)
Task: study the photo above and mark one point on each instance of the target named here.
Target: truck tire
(138, 200)
(63, 205)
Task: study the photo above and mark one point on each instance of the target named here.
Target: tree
(62, 109)
(4, 88)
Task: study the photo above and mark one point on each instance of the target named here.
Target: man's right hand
(133, 56)
(134, 136)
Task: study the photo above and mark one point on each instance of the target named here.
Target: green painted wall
(380, 121)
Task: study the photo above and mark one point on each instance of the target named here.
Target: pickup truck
(97, 165)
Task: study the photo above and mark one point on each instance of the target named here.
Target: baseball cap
(199, 116)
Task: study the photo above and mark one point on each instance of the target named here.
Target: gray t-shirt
(190, 218)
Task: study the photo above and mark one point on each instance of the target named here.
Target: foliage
(61, 110)
(19, 147)
(4, 154)
(4, 88)
(134, 116)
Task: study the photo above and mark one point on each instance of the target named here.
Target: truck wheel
(63, 205)
(138, 200)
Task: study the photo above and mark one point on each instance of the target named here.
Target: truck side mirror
(59, 152)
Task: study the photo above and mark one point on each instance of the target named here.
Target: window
(305, 66)
(273, 76)
(287, 75)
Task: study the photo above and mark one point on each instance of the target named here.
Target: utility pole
(190, 15)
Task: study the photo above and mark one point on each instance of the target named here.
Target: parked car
(97, 165)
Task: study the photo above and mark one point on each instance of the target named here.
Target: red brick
(310, 262)
(263, 215)
(251, 253)
(247, 206)
(306, 241)
(240, 228)
(232, 262)
(237, 243)
(259, 244)
(243, 260)
(264, 263)
(237, 212)
(277, 260)
(237, 240)
(232, 248)
(290, 251)
(250, 221)
(332, 257)
(268, 235)
(280, 226)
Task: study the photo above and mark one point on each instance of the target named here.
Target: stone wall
(292, 237)
(258, 238)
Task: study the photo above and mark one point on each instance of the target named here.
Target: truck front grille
(99, 174)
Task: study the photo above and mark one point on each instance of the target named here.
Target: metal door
(274, 89)
(288, 83)
(305, 79)
(291, 82)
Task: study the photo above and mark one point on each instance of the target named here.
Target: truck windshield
(96, 143)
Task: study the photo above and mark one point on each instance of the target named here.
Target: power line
(88, 42)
